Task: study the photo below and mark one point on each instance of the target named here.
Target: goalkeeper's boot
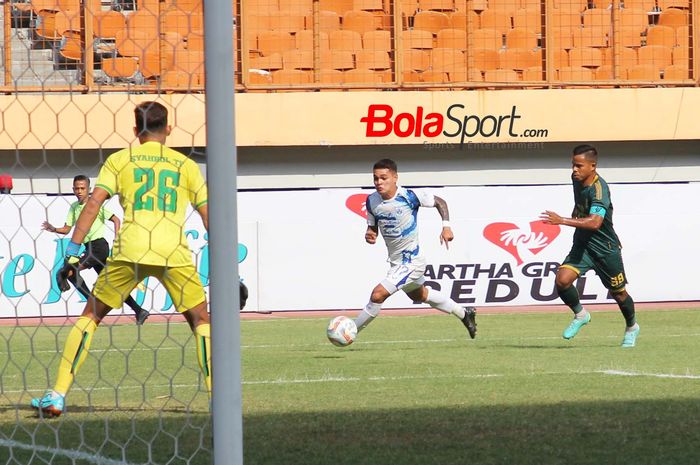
(51, 404)
(573, 329)
(141, 316)
(630, 339)
(62, 279)
(469, 321)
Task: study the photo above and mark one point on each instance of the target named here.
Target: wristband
(445, 223)
(73, 249)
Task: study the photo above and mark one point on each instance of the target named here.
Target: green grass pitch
(411, 390)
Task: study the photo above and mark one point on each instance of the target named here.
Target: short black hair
(151, 117)
(81, 177)
(588, 151)
(386, 164)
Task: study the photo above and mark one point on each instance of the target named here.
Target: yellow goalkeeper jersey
(155, 184)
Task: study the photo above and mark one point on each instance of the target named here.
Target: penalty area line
(68, 453)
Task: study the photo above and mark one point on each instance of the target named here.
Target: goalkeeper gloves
(70, 266)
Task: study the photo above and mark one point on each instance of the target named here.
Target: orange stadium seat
(349, 41)
(486, 38)
(471, 5)
(656, 55)
(292, 77)
(436, 77)
(363, 76)
(465, 75)
(565, 19)
(683, 36)
(673, 17)
(339, 6)
(531, 5)
(495, 19)
(464, 20)
(330, 76)
(372, 59)
(482, 59)
(416, 38)
(298, 59)
(501, 75)
(681, 56)
(327, 21)
(534, 73)
(71, 46)
(452, 38)
(560, 58)
(275, 42)
(304, 40)
(284, 21)
(505, 6)
(597, 18)
(679, 72)
(368, 5)
(185, 23)
(680, 4)
(627, 58)
(634, 18)
(447, 59)
(562, 38)
(144, 21)
(643, 72)
(107, 23)
(593, 36)
(629, 36)
(646, 5)
(572, 6)
(408, 7)
(337, 59)
(519, 58)
(431, 21)
(361, 21)
(528, 19)
(302, 7)
(575, 74)
(195, 41)
(416, 60)
(120, 67)
(604, 73)
(377, 40)
(521, 38)
(438, 5)
(270, 62)
(179, 79)
(588, 57)
(661, 35)
(410, 77)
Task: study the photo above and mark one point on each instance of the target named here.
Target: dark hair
(386, 164)
(151, 117)
(588, 151)
(81, 177)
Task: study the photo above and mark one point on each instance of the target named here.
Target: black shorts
(95, 255)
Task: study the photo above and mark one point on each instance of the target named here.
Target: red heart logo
(513, 240)
(357, 203)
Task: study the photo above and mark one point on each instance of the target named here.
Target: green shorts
(609, 268)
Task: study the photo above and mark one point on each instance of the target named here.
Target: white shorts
(405, 276)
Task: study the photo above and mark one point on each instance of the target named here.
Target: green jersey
(97, 230)
(595, 199)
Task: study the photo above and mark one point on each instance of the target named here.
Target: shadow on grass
(632, 432)
(645, 432)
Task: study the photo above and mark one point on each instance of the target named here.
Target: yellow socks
(74, 353)
(202, 335)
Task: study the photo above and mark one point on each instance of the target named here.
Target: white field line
(68, 453)
(384, 342)
(651, 375)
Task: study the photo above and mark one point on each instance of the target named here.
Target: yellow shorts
(119, 278)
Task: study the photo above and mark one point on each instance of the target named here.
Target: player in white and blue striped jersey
(393, 211)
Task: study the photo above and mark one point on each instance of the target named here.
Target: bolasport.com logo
(382, 120)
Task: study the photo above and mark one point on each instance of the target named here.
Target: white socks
(581, 315)
(437, 299)
(367, 314)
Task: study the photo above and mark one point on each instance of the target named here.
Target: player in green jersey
(96, 247)
(596, 245)
(155, 185)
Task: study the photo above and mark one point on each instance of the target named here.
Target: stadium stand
(294, 43)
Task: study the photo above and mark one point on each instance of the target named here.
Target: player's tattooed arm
(371, 234)
(590, 222)
(446, 235)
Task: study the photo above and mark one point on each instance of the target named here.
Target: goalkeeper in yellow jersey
(155, 184)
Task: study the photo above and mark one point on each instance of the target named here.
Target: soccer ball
(341, 331)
